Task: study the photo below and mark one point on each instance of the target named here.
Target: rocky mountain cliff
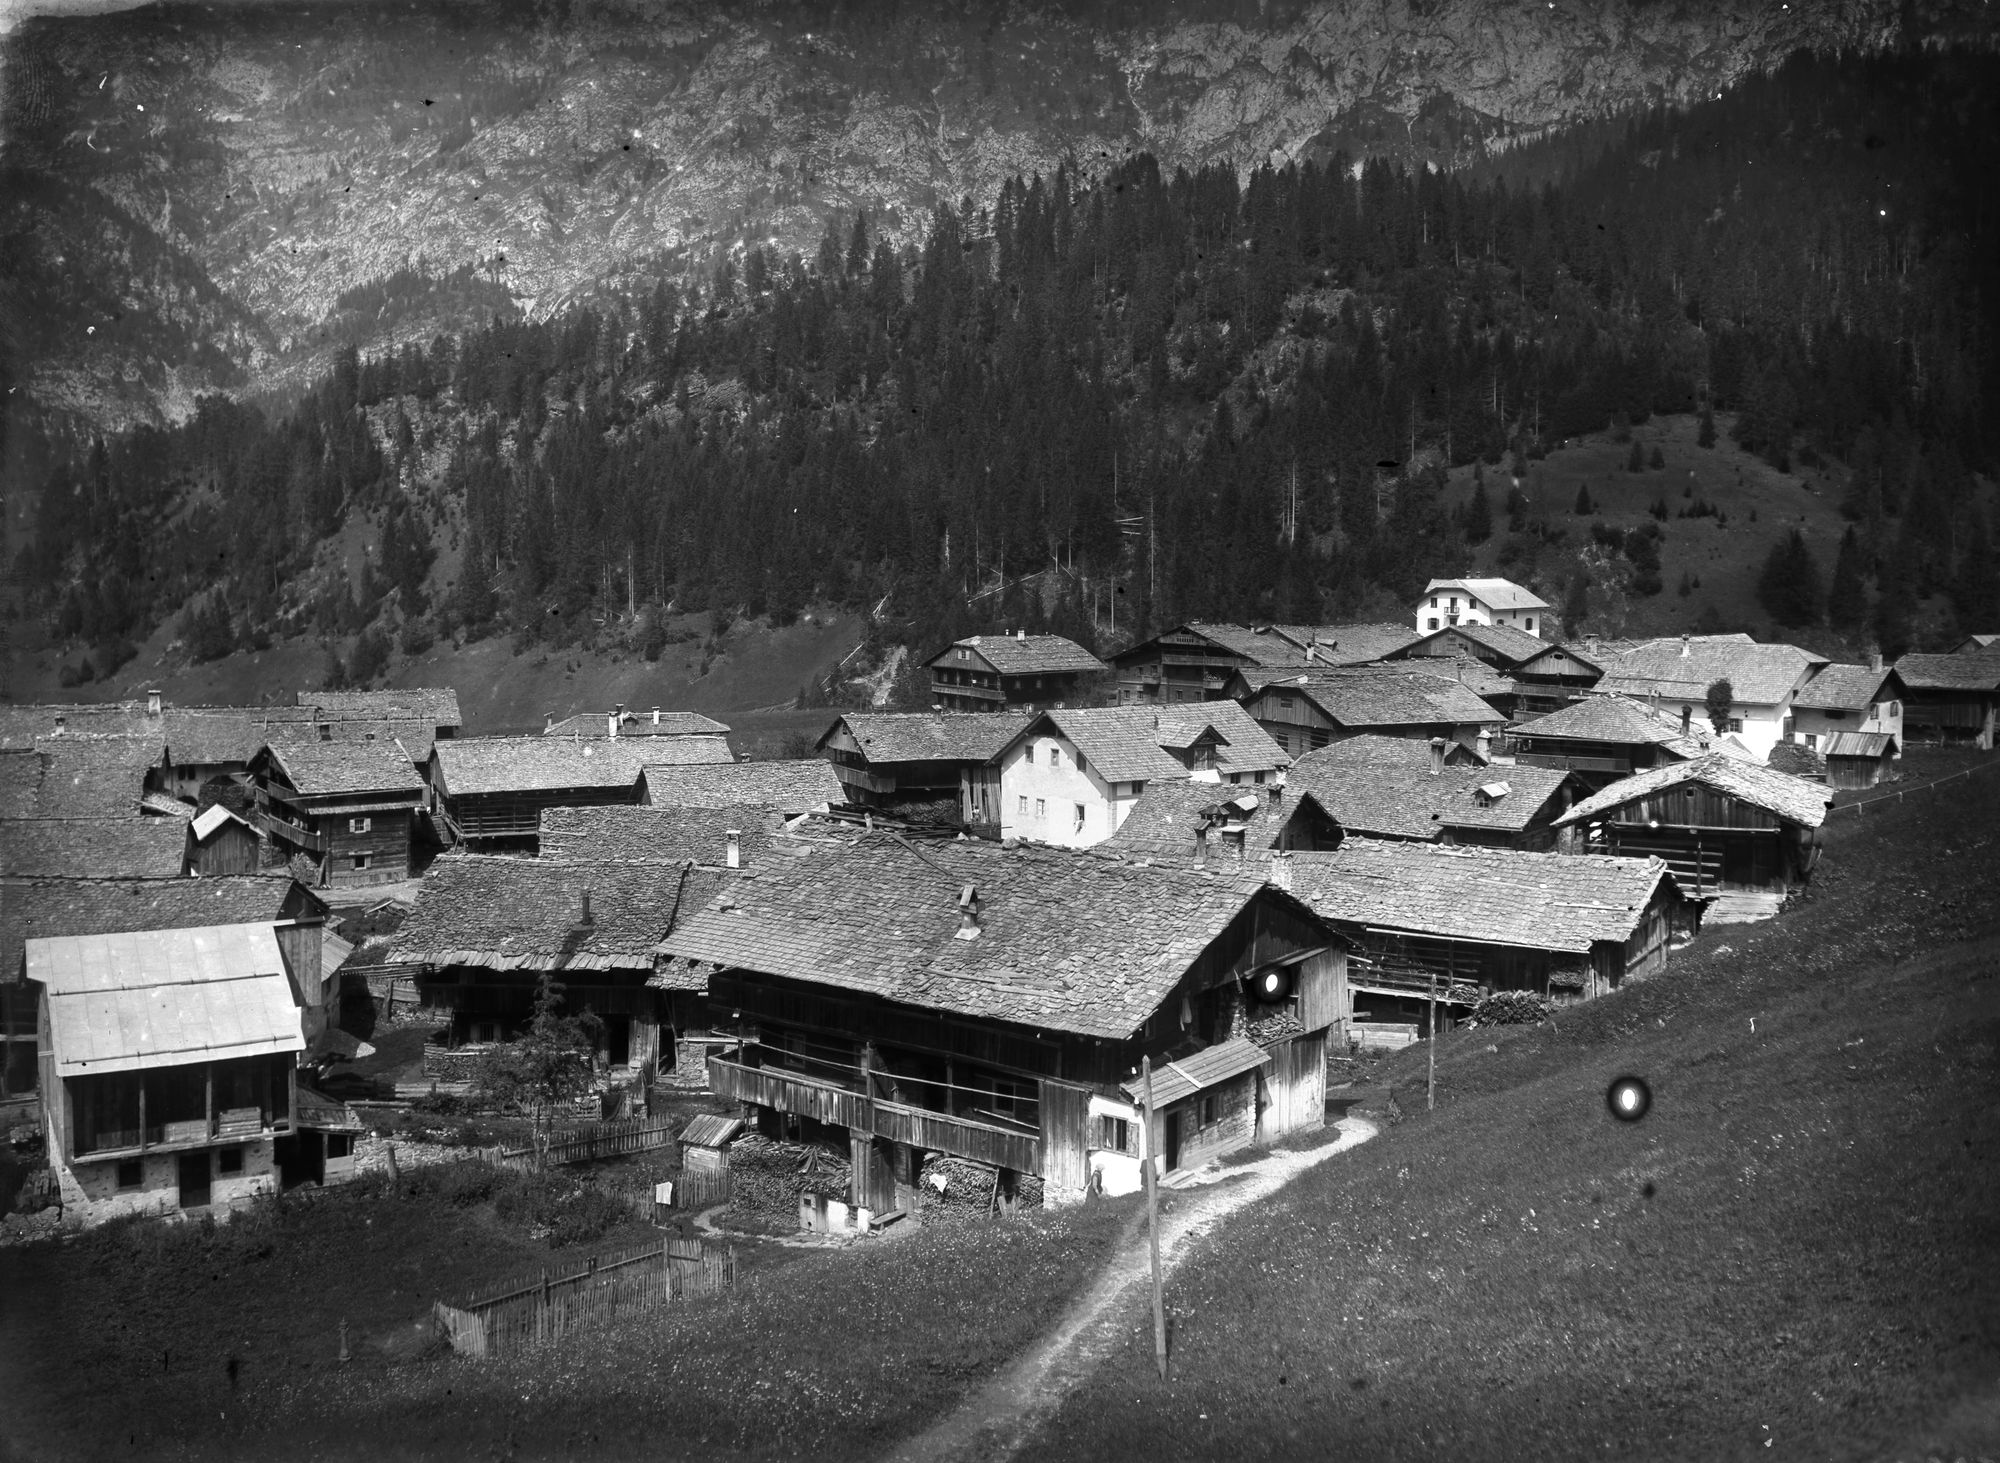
(193, 195)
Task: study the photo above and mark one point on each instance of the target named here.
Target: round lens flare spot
(1628, 1098)
(1273, 984)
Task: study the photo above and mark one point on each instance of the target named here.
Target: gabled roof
(414, 735)
(209, 819)
(502, 913)
(1026, 655)
(436, 704)
(1871, 745)
(1258, 647)
(1346, 644)
(1384, 786)
(1163, 821)
(1365, 696)
(657, 835)
(1068, 940)
(1542, 901)
(92, 848)
(329, 769)
(1185, 1076)
(1512, 646)
(1590, 658)
(1119, 742)
(1617, 719)
(1973, 644)
(46, 907)
(1789, 797)
(1246, 747)
(1847, 688)
(93, 777)
(474, 765)
(929, 736)
(788, 786)
(1476, 676)
(1967, 671)
(653, 723)
(123, 1001)
(1499, 594)
(1683, 668)
(684, 751)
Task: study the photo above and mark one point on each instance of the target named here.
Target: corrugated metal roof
(161, 997)
(1185, 1076)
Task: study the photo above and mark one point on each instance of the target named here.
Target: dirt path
(993, 1423)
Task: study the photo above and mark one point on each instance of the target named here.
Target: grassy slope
(1801, 1243)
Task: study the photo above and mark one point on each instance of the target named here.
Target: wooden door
(1065, 1113)
(194, 1175)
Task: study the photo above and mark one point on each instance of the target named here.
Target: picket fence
(541, 1310)
(595, 1140)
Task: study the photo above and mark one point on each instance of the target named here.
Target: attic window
(1492, 792)
(326, 731)
(1031, 752)
(1055, 756)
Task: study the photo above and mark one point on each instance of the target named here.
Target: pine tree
(1705, 437)
(1478, 516)
(476, 598)
(1790, 587)
(1847, 596)
(1576, 605)
(1635, 460)
(1584, 507)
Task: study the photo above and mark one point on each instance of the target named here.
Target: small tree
(1705, 437)
(1635, 461)
(1584, 507)
(1721, 696)
(1478, 516)
(548, 1068)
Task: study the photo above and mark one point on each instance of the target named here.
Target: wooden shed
(490, 791)
(219, 842)
(1859, 759)
(705, 1143)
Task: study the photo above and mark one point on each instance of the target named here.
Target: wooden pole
(1153, 1225)
(1431, 1079)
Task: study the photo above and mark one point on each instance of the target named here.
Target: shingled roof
(1119, 742)
(1499, 594)
(653, 723)
(1512, 646)
(1846, 688)
(436, 704)
(1476, 676)
(473, 765)
(657, 835)
(1683, 668)
(930, 736)
(685, 751)
(1384, 786)
(332, 769)
(502, 913)
(93, 848)
(1541, 901)
(1068, 941)
(1162, 823)
(1026, 655)
(1791, 798)
(415, 735)
(1966, 671)
(1247, 747)
(1346, 644)
(1364, 696)
(47, 907)
(1258, 647)
(20, 781)
(94, 777)
(1616, 719)
(788, 786)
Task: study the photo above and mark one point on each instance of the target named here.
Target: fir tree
(1478, 516)
(1584, 507)
(1635, 460)
(1847, 596)
(1705, 436)
(1790, 587)
(1718, 702)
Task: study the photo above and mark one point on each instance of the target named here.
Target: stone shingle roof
(651, 723)
(1163, 821)
(931, 736)
(1249, 748)
(1511, 645)
(327, 769)
(657, 835)
(1347, 644)
(527, 914)
(1259, 647)
(684, 751)
(1027, 655)
(93, 848)
(1543, 901)
(1499, 594)
(93, 777)
(1777, 792)
(1967, 671)
(1758, 675)
(1384, 786)
(790, 787)
(1476, 676)
(1364, 696)
(50, 907)
(473, 765)
(436, 704)
(1119, 742)
(415, 736)
(1069, 941)
(20, 781)
(1846, 688)
(1614, 718)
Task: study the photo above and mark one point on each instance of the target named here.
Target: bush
(1510, 1008)
(416, 637)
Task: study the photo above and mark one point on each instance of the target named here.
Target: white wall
(1475, 611)
(91, 1195)
(1878, 718)
(1053, 788)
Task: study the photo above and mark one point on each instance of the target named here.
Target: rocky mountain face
(193, 195)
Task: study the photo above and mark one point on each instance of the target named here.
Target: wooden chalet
(1471, 921)
(1951, 698)
(898, 759)
(994, 672)
(622, 723)
(806, 785)
(489, 792)
(994, 1004)
(1604, 738)
(1394, 788)
(1552, 679)
(1720, 823)
(1316, 708)
(435, 706)
(168, 1060)
(1501, 646)
(1848, 698)
(350, 807)
(93, 848)
(1208, 824)
(1192, 662)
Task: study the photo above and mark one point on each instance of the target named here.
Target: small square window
(1210, 1110)
(360, 825)
(229, 1160)
(326, 731)
(1055, 756)
(131, 1173)
(361, 860)
(1041, 807)
(1736, 723)
(1431, 623)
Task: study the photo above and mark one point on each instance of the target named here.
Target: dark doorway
(618, 1040)
(1174, 1139)
(194, 1180)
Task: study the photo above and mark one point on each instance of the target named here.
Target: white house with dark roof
(992, 672)
(1676, 673)
(1848, 698)
(1449, 602)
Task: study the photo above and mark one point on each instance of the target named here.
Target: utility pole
(1153, 1223)
(1431, 1080)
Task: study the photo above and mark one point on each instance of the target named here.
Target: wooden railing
(1562, 762)
(291, 832)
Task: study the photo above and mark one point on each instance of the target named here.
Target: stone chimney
(1020, 634)
(734, 858)
(1201, 841)
(1590, 643)
(1485, 744)
(153, 702)
(1281, 869)
(968, 913)
(615, 720)
(1687, 719)
(586, 918)
(1875, 657)
(656, 716)
(1684, 645)
(548, 722)
(1437, 756)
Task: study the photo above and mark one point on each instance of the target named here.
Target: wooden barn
(1470, 921)
(1952, 698)
(993, 1004)
(994, 672)
(1858, 759)
(1604, 738)
(899, 759)
(489, 792)
(1391, 787)
(220, 842)
(1193, 662)
(1316, 708)
(350, 807)
(1352, 644)
(1555, 677)
(1720, 823)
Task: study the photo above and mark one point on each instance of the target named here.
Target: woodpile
(953, 1188)
(770, 1176)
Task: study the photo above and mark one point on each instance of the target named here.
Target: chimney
(1020, 634)
(1485, 744)
(586, 919)
(548, 722)
(613, 721)
(1281, 869)
(656, 716)
(1687, 719)
(968, 913)
(1201, 841)
(1437, 756)
(1684, 645)
(1874, 657)
(153, 701)
(62, 722)
(1590, 644)
(734, 858)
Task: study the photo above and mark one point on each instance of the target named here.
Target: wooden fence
(540, 1310)
(698, 1188)
(595, 1140)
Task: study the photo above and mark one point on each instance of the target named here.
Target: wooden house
(1501, 646)
(489, 792)
(1848, 698)
(1720, 823)
(994, 1003)
(1316, 708)
(168, 1060)
(93, 848)
(1676, 674)
(1555, 677)
(1859, 759)
(705, 1142)
(994, 672)
(1470, 921)
(619, 722)
(1192, 662)
(220, 842)
(348, 806)
(905, 759)
(1207, 824)
(1449, 602)
(1394, 788)
(1603, 738)
(807, 785)
(1951, 698)
(1344, 644)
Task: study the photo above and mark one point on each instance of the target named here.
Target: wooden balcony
(1562, 762)
(288, 831)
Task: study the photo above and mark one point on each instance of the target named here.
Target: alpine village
(887, 784)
